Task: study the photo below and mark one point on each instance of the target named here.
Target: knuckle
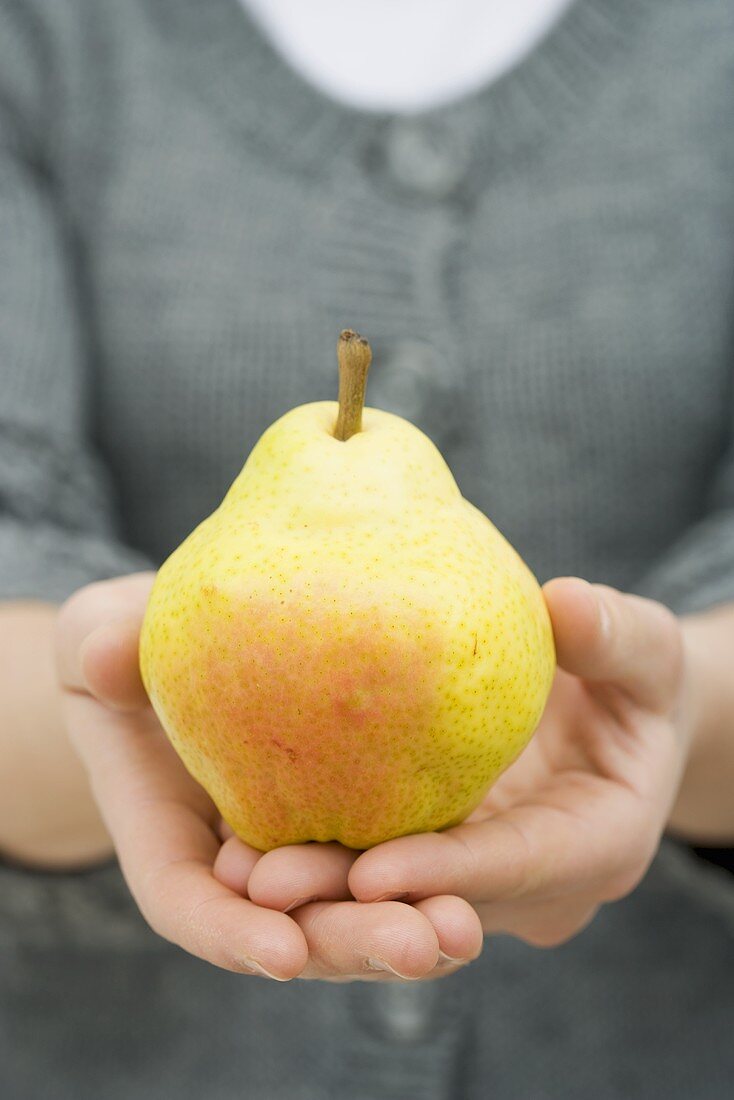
(86, 609)
(152, 891)
(101, 600)
(466, 858)
(74, 609)
(523, 873)
(195, 929)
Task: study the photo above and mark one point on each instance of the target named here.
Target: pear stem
(354, 355)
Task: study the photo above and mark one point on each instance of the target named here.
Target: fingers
(608, 636)
(217, 900)
(164, 830)
(389, 940)
(234, 865)
(289, 877)
(457, 927)
(475, 862)
(346, 939)
(541, 924)
(592, 835)
(108, 664)
(184, 903)
(97, 640)
(343, 939)
(130, 762)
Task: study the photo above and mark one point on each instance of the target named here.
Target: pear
(346, 649)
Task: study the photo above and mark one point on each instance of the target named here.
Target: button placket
(427, 156)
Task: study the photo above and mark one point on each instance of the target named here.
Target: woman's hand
(577, 819)
(221, 901)
(574, 822)
(48, 818)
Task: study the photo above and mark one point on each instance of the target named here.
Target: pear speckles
(346, 649)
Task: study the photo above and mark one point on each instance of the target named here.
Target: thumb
(97, 635)
(607, 636)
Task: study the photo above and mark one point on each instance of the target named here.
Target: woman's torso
(544, 272)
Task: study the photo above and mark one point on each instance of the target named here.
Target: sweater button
(407, 1013)
(400, 1014)
(426, 156)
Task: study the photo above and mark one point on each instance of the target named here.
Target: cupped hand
(578, 817)
(289, 913)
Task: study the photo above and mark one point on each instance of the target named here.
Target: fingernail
(251, 966)
(380, 964)
(445, 961)
(298, 902)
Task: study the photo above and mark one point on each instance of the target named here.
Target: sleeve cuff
(40, 562)
(698, 572)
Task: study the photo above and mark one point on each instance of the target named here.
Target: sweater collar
(228, 56)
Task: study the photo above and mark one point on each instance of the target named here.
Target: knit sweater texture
(545, 273)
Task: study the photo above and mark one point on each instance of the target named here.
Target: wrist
(703, 705)
(690, 714)
(703, 811)
(47, 814)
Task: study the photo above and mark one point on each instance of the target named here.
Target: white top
(403, 55)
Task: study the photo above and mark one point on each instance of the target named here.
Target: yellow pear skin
(346, 649)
